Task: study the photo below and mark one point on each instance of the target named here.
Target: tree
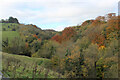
(99, 39)
(66, 35)
(13, 20)
(13, 29)
(16, 46)
(74, 65)
(100, 18)
(35, 46)
(57, 38)
(87, 22)
(47, 50)
(91, 58)
(4, 29)
(5, 44)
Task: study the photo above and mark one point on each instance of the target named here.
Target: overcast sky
(56, 14)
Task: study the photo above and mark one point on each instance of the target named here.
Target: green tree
(12, 20)
(91, 58)
(47, 50)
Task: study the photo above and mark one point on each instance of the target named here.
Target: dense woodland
(88, 50)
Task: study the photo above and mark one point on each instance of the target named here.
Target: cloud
(64, 12)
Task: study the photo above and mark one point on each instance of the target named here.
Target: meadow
(9, 34)
(18, 66)
(9, 31)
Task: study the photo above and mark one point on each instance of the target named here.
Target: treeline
(10, 20)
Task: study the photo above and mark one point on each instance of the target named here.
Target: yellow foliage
(101, 47)
(105, 66)
(34, 55)
(26, 36)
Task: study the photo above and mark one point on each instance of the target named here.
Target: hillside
(88, 50)
(23, 66)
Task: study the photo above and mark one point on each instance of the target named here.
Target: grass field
(0, 36)
(9, 34)
(7, 30)
(26, 67)
(9, 26)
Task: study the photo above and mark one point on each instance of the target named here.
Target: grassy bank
(26, 67)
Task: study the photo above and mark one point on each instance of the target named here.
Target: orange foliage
(95, 23)
(26, 45)
(67, 33)
(86, 22)
(35, 26)
(118, 21)
(113, 22)
(100, 18)
(39, 39)
(75, 55)
(101, 47)
(57, 38)
(99, 39)
(35, 36)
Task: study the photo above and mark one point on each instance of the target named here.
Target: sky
(56, 14)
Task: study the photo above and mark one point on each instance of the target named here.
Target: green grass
(25, 59)
(0, 33)
(9, 26)
(29, 64)
(10, 35)
(7, 31)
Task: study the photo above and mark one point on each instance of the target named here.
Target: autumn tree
(67, 34)
(87, 22)
(100, 18)
(91, 58)
(57, 38)
(47, 50)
